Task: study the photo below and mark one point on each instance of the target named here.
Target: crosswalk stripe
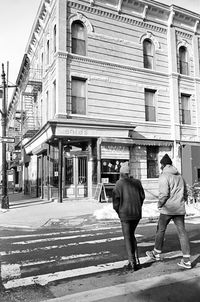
(62, 238)
(3, 253)
(12, 252)
(57, 233)
(44, 279)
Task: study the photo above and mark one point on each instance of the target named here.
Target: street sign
(7, 139)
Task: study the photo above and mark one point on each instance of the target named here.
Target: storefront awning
(149, 142)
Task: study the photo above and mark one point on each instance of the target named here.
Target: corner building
(103, 82)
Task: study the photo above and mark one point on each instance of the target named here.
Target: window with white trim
(150, 108)
(78, 38)
(78, 96)
(148, 53)
(185, 113)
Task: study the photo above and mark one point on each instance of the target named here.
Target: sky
(16, 20)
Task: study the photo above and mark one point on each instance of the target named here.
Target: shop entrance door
(76, 176)
(40, 177)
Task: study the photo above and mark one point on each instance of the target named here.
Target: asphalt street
(89, 259)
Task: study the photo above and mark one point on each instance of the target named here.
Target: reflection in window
(53, 166)
(69, 174)
(110, 169)
(82, 170)
(148, 52)
(78, 38)
(150, 109)
(152, 162)
(78, 96)
(183, 64)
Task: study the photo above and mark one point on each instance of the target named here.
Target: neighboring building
(103, 82)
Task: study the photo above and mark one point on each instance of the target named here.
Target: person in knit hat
(171, 204)
(128, 197)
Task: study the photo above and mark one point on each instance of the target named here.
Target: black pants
(128, 229)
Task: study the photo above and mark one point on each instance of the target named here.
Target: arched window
(78, 38)
(48, 53)
(54, 38)
(148, 53)
(183, 62)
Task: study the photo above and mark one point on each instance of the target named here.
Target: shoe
(184, 264)
(130, 267)
(153, 255)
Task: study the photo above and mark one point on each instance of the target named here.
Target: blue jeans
(179, 221)
(128, 229)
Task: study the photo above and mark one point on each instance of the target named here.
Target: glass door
(76, 180)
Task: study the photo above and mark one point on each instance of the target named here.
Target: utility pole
(5, 199)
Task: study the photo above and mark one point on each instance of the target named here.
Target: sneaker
(153, 255)
(184, 264)
(130, 267)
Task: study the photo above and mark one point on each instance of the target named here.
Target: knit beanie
(124, 168)
(166, 160)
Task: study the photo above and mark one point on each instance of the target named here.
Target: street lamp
(4, 199)
(4, 140)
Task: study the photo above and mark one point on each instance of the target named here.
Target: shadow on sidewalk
(17, 200)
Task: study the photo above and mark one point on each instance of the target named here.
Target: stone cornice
(109, 64)
(114, 15)
(184, 34)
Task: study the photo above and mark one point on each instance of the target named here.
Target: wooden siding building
(103, 82)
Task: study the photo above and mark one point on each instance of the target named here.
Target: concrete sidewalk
(27, 212)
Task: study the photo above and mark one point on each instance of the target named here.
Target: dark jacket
(172, 192)
(128, 197)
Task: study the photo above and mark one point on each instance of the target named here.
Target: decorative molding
(144, 14)
(83, 19)
(119, 6)
(196, 26)
(116, 16)
(187, 46)
(184, 35)
(111, 64)
(171, 18)
(150, 36)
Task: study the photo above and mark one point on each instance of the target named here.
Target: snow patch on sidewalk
(149, 210)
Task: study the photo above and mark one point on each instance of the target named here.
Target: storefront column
(48, 171)
(98, 160)
(90, 161)
(60, 165)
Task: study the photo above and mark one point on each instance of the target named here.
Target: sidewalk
(29, 212)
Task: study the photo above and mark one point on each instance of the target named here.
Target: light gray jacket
(172, 192)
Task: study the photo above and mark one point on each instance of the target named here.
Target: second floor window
(150, 109)
(185, 109)
(78, 38)
(183, 62)
(148, 53)
(78, 96)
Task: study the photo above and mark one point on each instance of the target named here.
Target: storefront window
(69, 179)
(53, 166)
(152, 162)
(110, 170)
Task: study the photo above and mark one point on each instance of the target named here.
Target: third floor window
(78, 38)
(183, 61)
(148, 53)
